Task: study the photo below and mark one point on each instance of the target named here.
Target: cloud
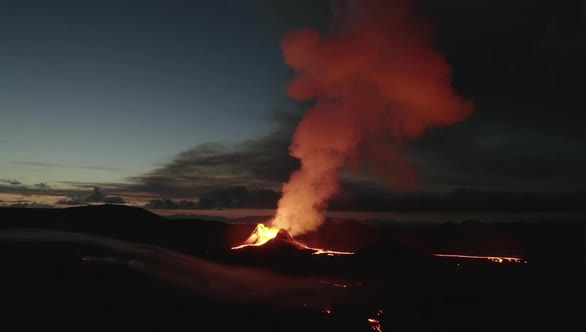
(26, 190)
(100, 168)
(502, 158)
(236, 197)
(42, 186)
(72, 199)
(52, 165)
(526, 81)
(10, 182)
(35, 163)
(459, 199)
(29, 205)
(256, 164)
(97, 196)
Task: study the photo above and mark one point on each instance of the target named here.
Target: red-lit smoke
(378, 82)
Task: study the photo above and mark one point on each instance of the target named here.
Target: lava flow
(496, 259)
(263, 234)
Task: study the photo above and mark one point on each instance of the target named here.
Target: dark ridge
(554, 242)
(193, 236)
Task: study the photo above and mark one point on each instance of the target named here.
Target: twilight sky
(150, 99)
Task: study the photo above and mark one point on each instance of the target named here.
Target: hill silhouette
(47, 277)
(129, 223)
(546, 242)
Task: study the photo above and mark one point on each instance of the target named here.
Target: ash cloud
(521, 62)
(378, 83)
(224, 198)
(263, 163)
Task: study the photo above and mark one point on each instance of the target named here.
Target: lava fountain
(376, 82)
(263, 234)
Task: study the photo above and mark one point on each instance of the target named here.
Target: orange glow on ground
(375, 324)
(262, 234)
(496, 259)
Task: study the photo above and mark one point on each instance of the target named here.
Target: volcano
(279, 239)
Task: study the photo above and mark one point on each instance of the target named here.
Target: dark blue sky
(128, 95)
(128, 84)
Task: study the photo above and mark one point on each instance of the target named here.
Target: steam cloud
(378, 83)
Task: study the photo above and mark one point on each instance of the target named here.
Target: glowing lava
(496, 259)
(375, 325)
(263, 234)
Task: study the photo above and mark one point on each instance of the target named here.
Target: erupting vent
(263, 234)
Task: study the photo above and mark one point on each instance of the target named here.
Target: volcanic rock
(285, 240)
(283, 245)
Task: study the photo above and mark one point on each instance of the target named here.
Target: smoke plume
(378, 82)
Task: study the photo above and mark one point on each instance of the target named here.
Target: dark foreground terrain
(115, 268)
